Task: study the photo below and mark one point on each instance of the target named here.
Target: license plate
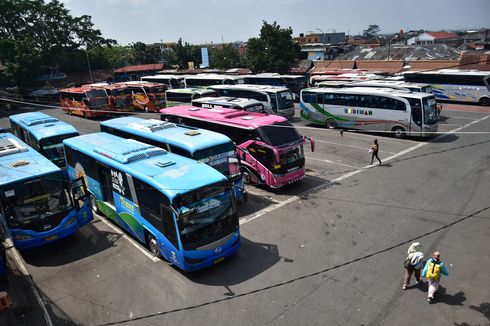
(219, 260)
(51, 238)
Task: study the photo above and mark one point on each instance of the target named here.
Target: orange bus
(84, 101)
(119, 97)
(147, 96)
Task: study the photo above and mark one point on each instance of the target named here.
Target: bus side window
(262, 154)
(309, 97)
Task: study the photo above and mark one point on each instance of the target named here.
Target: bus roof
(106, 85)
(214, 77)
(190, 138)
(260, 88)
(79, 90)
(20, 162)
(191, 90)
(369, 91)
(42, 125)
(238, 118)
(227, 100)
(164, 76)
(141, 83)
(455, 72)
(170, 173)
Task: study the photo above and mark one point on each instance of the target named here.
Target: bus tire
(152, 244)
(484, 101)
(247, 175)
(93, 203)
(398, 132)
(330, 124)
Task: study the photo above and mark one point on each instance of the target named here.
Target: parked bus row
(147, 176)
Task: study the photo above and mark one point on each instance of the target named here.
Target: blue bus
(212, 148)
(38, 205)
(44, 133)
(182, 210)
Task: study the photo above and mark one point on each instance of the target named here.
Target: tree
(273, 51)
(185, 53)
(224, 57)
(47, 33)
(371, 31)
(143, 54)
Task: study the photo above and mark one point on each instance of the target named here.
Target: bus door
(81, 202)
(106, 183)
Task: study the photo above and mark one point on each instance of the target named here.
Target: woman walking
(413, 263)
(374, 151)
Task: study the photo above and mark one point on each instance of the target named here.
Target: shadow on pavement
(252, 259)
(84, 243)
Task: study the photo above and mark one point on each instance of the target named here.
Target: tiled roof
(442, 35)
(151, 66)
(391, 66)
(424, 65)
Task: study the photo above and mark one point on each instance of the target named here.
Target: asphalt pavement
(328, 250)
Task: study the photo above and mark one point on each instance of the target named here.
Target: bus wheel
(398, 132)
(330, 124)
(93, 202)
(247, 176)
(153, 245)
(485, 101)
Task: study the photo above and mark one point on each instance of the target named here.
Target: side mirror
(312, 143)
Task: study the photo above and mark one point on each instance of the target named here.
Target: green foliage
(273, 51)
(371, 31)
(185, 53)
(37, 37)
(142, 54)
(224, 57)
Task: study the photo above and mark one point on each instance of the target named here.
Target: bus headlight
(20, 237)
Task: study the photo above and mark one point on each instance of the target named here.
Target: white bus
(182, 96)
(394, 84)
(278, 100)
(470, 86)
(204, 80)
(243, 104)
(294, 82)
(173, 81)
(374, 109)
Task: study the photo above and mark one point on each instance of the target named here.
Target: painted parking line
(332, 162)
(272, 208)
(345, 145)
(131, 241)
(20, 263)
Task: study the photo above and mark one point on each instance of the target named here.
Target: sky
(205, 21)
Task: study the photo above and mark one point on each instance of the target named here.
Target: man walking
(374, 151)
(433, 270)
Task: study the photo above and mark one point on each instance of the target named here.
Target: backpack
(434, 271)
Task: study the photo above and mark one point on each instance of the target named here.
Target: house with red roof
(433, 38)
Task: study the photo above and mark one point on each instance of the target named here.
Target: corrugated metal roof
(151, 66)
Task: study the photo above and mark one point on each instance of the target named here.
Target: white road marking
(20, 263)
(465, 118)
(271, 208)
(345, 145)
(332, 162)
(125, 236)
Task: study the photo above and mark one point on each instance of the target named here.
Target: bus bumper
(27, 239)
(212, 257)
(279, 181)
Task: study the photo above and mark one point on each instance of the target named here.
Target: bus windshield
(52, 148)
(285, 99)
(281, 133)
(430, 111)
(222, 157)
(119, 91)
(36, 199)
(205, 215)
(97, 97)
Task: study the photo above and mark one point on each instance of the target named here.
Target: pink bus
(270, 148)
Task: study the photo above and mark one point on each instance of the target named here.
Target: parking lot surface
(327, 250)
